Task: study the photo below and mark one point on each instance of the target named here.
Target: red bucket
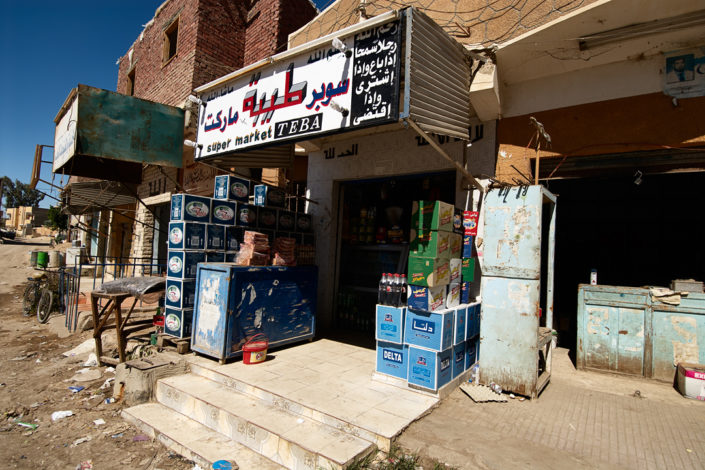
(254, 351)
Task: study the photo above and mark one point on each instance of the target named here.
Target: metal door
(511, 286)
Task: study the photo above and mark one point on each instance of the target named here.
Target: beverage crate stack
(236, 225)
(425, 342)
(470, 220)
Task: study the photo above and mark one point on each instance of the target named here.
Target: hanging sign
(331, 89)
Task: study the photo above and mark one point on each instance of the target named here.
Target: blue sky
(48, 47)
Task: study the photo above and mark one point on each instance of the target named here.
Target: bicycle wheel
(44, 306)
(30, 298)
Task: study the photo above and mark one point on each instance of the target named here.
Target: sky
(48, 47)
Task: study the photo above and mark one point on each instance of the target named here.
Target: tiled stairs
(208, 416)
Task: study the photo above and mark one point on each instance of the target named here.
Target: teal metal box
(430, 330)
(392, 359)
(390, 324)
(430, 369)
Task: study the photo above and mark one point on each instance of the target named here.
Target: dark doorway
(635, 230)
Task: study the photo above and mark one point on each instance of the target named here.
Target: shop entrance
(635, 229)
(373, 238)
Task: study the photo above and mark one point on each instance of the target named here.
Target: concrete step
(283, 403)
(289, 439)
(193, 440)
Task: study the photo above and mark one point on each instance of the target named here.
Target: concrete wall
(387, 154)
(476, 22)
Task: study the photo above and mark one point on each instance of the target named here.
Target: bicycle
(43, 295)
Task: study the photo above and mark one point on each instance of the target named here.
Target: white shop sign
(321, 92)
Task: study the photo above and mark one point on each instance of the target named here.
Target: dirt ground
(34, 383)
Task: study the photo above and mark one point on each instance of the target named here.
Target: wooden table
(122, 328)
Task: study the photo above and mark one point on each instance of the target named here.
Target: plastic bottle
(404, 290)
(382, 290)
(396, 291)
(388, 290)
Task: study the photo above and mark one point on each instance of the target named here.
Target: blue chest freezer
(233, 303)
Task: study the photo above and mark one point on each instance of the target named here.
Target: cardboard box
(180, 293)
(233, 238)
(428, 272)
(459, 359)
(460, 330)
(187, 236)
(429, 299)
(246, 216)
(183, 264)
(390, 324)
(468, 270)
(470, 219)
(467, 251)
(266, 195)
(286, 221)
(454, 265)
(223, 212)
(432, 215)
(190, 208)
(430, 369)
(458, 221)
(392, 359)
(464, 292)
(304, 223)
(691, 380)
(178, 322)
(453, 295)
(232, 188)
(456, 245)
(267, 218)
(430, 243)
(430, 330)
(471, 352)
(215, 257)
(473, 326)
(215, 237)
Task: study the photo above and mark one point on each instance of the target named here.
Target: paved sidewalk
(583, 420)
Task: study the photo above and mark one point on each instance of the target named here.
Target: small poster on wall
(684, 73)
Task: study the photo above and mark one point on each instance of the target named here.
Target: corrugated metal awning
(90, 196)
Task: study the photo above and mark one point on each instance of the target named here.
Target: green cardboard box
(428, 272)
(430, 243)
(432, 215)
(467, 269)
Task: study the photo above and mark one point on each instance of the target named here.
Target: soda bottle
(396, 291)
(404, 290)
(382, 290)
(388, 290)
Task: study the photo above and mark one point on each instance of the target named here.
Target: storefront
(383, 109)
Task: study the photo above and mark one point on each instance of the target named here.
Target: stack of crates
(426, 342)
